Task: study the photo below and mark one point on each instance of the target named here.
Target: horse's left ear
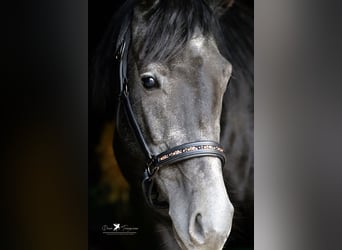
(220, 6)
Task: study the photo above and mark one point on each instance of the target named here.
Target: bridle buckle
(152, 163)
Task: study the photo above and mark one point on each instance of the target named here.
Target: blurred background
(44, 104)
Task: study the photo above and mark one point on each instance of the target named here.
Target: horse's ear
(220, 6)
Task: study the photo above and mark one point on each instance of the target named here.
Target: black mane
(170, 25)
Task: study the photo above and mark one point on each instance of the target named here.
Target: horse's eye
(149, 82)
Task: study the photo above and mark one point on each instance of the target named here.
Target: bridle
(171, 156)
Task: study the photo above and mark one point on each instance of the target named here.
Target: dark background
(44, 104)
(99, 15)
(100, 210)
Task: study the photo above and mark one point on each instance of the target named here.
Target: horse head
(176, 76)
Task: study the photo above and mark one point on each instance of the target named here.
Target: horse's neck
(237, 134)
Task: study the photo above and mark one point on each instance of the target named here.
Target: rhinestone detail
(189, 149)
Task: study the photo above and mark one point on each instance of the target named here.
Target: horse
(177, 77)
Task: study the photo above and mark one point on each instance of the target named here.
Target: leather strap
(184, 152)
(134, 124)
(122, 57)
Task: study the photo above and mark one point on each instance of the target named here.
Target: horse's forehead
(197, 43)
(201, 46)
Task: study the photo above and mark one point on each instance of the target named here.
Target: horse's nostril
(208, 230)
(198, 223)
(197, 233)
